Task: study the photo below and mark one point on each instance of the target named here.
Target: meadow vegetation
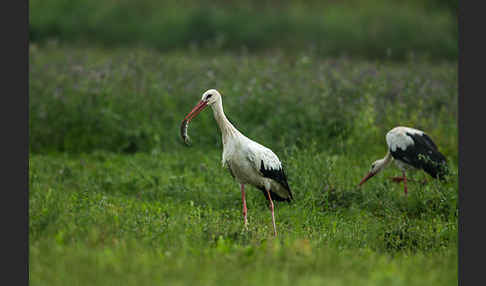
(116, 198)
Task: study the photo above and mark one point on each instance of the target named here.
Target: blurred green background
(370, 29)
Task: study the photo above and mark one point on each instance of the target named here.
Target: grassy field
(116, 199)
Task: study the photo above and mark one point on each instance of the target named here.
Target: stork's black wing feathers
(423, 154)
(279, 176)
(274, 195)
(427, 141)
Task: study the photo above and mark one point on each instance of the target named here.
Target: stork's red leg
(405, 183)
(397, 179)
(401, 179)
(244, 204)
(273, 215)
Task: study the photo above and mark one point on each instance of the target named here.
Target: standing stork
(412, 149)
(247, 161)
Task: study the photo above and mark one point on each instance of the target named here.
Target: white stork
(247, 161)
(412, 149)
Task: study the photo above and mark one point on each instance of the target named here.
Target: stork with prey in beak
(247, 161)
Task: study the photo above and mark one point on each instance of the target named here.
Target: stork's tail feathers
(436, 166)
(443, 171)
(279, 176)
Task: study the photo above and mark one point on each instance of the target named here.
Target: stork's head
(210, 97)
(376, 167)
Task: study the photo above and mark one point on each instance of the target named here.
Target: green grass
(176, 218)
(116, 199)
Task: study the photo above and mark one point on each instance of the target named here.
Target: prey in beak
(185, 123)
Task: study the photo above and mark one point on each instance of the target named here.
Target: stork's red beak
(366, 178)
(185, 123)
(195, 111)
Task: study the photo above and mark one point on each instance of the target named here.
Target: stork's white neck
(227, 129)
(384, 162)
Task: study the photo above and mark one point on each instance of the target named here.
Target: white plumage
(244, 158)
(398, 138)
(248, 161)
(410, 148)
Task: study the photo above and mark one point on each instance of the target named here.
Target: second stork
(412, 149)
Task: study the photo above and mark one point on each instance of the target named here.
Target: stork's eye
(209, 95)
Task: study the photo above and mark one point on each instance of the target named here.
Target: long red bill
(195, 111)
(185, 123)
(366, 178)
